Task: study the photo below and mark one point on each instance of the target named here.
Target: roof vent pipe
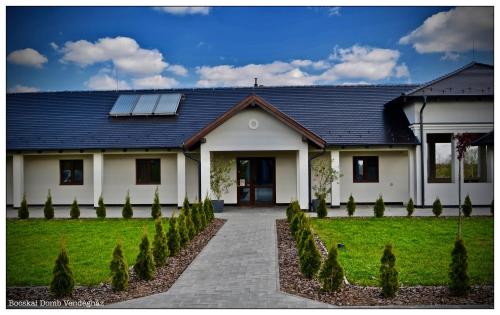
(255, 83)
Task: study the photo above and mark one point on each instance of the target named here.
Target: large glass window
(440, 157)
(365, 169)
(71, 172)
(148, 171)
(475, 162)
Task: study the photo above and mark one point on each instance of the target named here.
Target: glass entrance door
(256, 181)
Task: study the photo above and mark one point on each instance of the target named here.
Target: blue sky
(84, 48)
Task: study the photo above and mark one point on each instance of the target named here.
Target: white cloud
(154, 82)
(450, 56)
(334, 11)
(178, 70)
(103, 81)
(54, 46)
(454, 31)
(123, 52)
(27, 57)
(361, 63)
(184, 10)
(23, 89)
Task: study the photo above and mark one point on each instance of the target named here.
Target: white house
(390, 140)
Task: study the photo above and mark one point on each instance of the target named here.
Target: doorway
(256, 180)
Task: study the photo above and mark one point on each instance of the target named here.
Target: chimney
(255, 84)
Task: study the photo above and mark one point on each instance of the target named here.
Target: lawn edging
(92, 296)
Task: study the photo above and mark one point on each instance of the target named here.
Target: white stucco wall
(286, 179)
(393, 182)
(41, 172)
(8, 181)
(451, 112)
(192, 180)
(120, 176)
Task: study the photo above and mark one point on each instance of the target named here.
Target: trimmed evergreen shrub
(209, 209)
(437, 209)
(331, 273)
(467, 206)
(189, 223)
(288, 212)
(183, 232)
(410, 207)
(144, 264)
(185, 204)
(101, 209)
(459, 278)
(203, 216)
(156, 208)
(174, 241)
(195, 217)
(23, 212)
(351, 206)
(48, 208)
(304, 233)
(321, 210)
(127, 211)
(310, 260)
(62, 283)
(292, 209)
(296, 223)
(379, 207)
(389, 276)
(75, 210)
(160, 246)
(119, 270)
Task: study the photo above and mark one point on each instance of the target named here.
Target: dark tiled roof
(472, 79)
(341, 115)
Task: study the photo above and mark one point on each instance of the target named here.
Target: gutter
(422, 182)
(309, 175)
(199, 170)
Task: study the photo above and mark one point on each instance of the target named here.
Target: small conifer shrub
(160, 246)
(48, 208)
(304, 235)
(296, 223)
(144, 264)
(459, 278)
(183, 232)
(156, 208)
(101, 209)
(389, 277)
(75, 210)
(288, 212)
(292, 209)
(351, 206)
(437, 208)
(185, 204)
(379, 207)
(195, 217)
(119, 270)
(189, 223)
(467, 206)
(127, 211)
(174, 242)
(331, 273)
(310, 260)
(203, 216)
(209, 209)
(410, 207)
(62, 283)
(321, 210)
(23, 212)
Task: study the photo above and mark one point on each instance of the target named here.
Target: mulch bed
(103, 294)
(292, 281)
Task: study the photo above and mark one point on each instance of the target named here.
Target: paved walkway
(237, 269)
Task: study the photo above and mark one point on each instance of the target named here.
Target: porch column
(181, 178)
(17, 179)
(335, 194)
(98, 176)
(302, 177)
(205, 171)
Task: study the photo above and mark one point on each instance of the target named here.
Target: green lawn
(422, 247)
(33, 245)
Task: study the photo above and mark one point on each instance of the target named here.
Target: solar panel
(145, 105)
(124, 105)
(168, 104)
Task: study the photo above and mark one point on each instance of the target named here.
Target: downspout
(199, 170)
(422, 181)
(309, 175)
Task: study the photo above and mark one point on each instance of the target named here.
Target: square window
(365, 169)
(148, 172)
(71, 172)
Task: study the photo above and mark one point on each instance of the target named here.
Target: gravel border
(103, 294)
(293, 282)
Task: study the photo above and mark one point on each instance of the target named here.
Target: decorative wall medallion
(253, 124)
